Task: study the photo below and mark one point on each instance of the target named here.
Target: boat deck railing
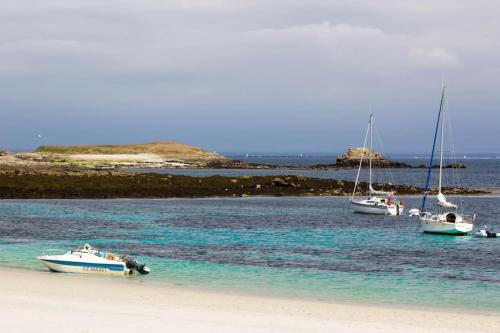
(469, 218)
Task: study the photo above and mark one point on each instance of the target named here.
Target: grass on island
(162, 148)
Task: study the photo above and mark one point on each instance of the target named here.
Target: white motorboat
(89, 260)
(447, 220)
(377, 202)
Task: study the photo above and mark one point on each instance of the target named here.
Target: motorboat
(487, 233)
(89, 260)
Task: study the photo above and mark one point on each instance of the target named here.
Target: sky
(248, 76)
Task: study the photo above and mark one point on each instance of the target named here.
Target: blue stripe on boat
(85, 264)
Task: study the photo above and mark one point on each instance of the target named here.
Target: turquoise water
(297, 247)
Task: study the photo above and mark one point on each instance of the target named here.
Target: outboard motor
(132, 263)
(487, 233)
(490, 234)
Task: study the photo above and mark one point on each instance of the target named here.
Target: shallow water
(301, 247)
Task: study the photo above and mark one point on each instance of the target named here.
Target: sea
(311, 248)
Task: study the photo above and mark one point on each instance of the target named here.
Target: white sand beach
(34, 301)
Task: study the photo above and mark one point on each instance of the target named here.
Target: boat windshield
(86, 248)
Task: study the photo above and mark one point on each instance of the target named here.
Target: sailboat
(374, 203)
(447, 220)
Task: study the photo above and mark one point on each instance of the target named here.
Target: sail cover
(373, 191)
(444, 203)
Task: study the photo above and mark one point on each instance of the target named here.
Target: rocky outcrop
(455, 166)
(447, 166)
(355, 154)
(352, 157)
(93, 184)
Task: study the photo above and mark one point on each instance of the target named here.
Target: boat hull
(445, 228)
(364, 208)
(65, 266)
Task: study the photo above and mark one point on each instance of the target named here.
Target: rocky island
(170, 155)
(151, 154)
(353, 156)
(101, 172)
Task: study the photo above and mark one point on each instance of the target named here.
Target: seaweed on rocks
(152, 185)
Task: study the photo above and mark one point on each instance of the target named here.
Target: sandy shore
(47, 302)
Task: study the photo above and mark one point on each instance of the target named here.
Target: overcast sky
(282, 76)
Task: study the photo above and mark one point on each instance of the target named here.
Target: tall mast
(442, 139)
(370, 152)
(361, 161)
(429, 170)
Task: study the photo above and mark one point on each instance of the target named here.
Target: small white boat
(447, 220)
(374, 203)
(487, 233)
(89, 260)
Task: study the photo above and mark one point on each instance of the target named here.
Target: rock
(456, 166)
(280, 182)
(234, 181)
(357, 153)
(352, 157)
(450, 166)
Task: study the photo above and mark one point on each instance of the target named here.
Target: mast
(361, 160)
(429, 170)
(370, 152)
(442, 140)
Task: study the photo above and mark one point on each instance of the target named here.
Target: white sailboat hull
(366, 207)
(436, 225)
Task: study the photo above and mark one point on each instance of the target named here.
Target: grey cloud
(243, 66)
